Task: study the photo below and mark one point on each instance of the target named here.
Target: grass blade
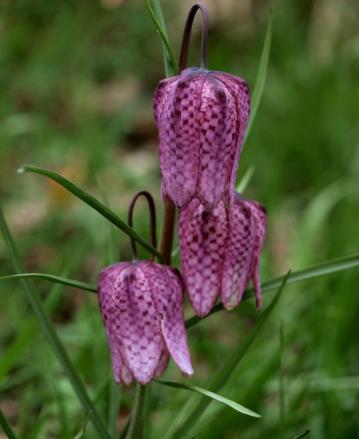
(243, 183)
(211, 395)
(156, 15)
(301, 435)
(50, 333)
(52, 278)
(261, 77)
(281, 385)
(328, 267)
(91, 201)
(230, 365)
(6, 426)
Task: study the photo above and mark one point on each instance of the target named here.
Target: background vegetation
(77, 79)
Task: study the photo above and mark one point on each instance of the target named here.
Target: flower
(141, 306)
(201, 117)
(220, 250)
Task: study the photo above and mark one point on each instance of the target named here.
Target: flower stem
(169, 216)
(135, 430)
(187, 35)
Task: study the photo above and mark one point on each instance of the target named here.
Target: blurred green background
(76, 80)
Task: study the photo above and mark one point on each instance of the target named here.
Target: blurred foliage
(77, 78)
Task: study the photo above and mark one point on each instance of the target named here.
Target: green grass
(77, 80)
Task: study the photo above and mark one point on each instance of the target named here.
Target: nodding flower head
(141, 306)
(220, 251)
(201, 117)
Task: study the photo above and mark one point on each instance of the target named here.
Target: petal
(167, 293)
(105, 284)
(219, 139)
(159, 95)
(120, 371)
(239, 253)
(163, 363)
(129, 313)
(260, 217)
(202, 235)
(178, 125)
(240, 91)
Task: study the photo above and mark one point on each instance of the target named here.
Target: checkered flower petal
(260, 218)
(238, 88)
(168, 299)
(141, 306)
(201, 124)
(202, 235)
(220, 251)
(238, 259)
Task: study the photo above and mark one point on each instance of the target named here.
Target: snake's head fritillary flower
(201, 117)
(141, 306)
(220, 250)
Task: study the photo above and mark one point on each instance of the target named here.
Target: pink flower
(220, 251)
(201, 116)
(141, 306)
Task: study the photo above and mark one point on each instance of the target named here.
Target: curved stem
(135, 430)
(152, 209)
(187, 35)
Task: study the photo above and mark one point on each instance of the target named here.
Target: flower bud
(201, 117)
(141, 306)
(220, 251)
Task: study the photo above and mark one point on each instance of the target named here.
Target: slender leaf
(135, 428)
(221, 378)
(91, 201)
(52, 278)
(50, 333)
(6, 426)
(243, 183)
(115, 391)
(301, 435)
(281, 384)
(261, 77)
(155, 12)
(214, 396)
(328, 267)
(81, 433)
(26, 332)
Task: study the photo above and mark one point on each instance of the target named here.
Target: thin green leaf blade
(155, 12)
(212, 395)
(243, 183)
(91, 201)
(328, 267)
(6, 426)
(50, 333)
(261, 77)
(52, 278)
(221, 378)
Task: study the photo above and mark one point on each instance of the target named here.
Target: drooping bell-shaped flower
(141, 306)
(201, 117)
(220, 250)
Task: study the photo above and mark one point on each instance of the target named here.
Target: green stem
(135, 430)
(51, 335)
(115, 399)
(6, 426)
